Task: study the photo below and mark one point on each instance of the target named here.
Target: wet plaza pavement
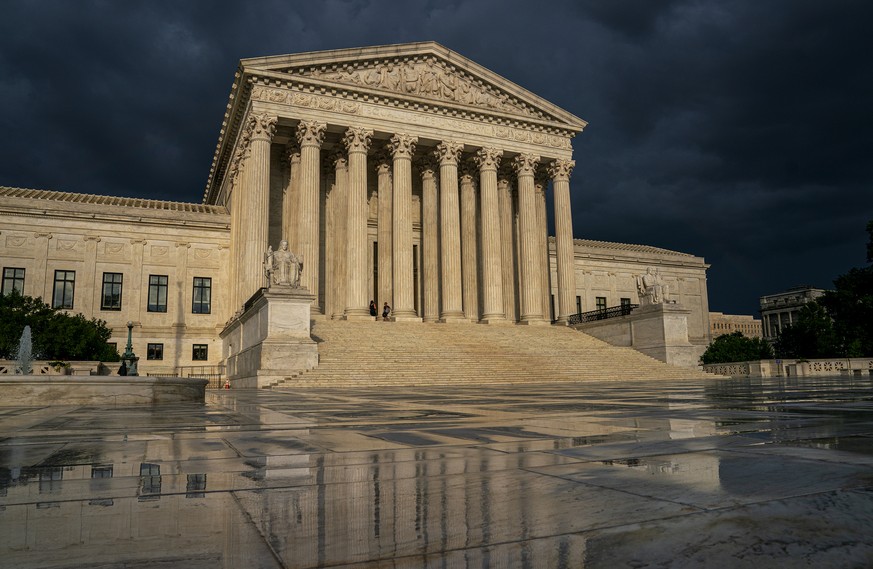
(715, 473)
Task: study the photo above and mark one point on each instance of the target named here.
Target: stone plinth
(42, 391)
(657, 330)
(270, 340)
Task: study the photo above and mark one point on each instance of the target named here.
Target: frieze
(15, 241)
(66, 245)
(202, 253)
(427, 77)
(114, 248)
(283, 96)
(319, 102)
(159, 250)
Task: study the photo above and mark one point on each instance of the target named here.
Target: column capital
(467, 170)
(311, 133)
(292, 151)
(561, 169)
(488, 158)
(357, 139)
(383, 160)
(525, 164)
(337, 159)
(541, 180)
(448, 152)
(402, 145)
(427, 166)
(262, 126)
(504, 175)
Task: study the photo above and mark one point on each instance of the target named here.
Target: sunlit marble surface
(737, 473)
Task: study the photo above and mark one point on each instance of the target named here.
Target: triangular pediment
(424, 71)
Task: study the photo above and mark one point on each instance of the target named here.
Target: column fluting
(430, 240)
(560, 171)
(310, 135)
(493, 309)
(531, 300)
(402, 147)
(540, 181)
(357, 141)
(291, 199)
(469, 242)
(385, 230)
(448, 152)
(508, 243)
(339, 199)
(256, 209)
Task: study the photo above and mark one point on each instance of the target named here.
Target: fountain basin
(42, 391)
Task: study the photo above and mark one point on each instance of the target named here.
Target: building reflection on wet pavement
(716, 473)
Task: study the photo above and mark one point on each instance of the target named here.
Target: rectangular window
(578, 305)
(625, 302)
(13, 279)
(65, 285)
(202, 298)
(200, 353)
(625, 306)
(155, 352)
(157, 293)
(111, 291)
(600, 302)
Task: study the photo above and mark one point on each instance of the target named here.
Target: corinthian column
(256, 209)
(357, 141)
(469, 245)
(528, 247)
(429, 244)
(291, 200)
(237, 189)
(560, 171)
(507, 241)
(402, 147)
(385, 229)
(488, 160)
(339, 197)
(310, 135)
(540, 181)
(448, 153)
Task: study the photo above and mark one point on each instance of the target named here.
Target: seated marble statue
(283, 267)
(652, 288)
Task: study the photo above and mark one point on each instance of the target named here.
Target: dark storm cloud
(739, 131)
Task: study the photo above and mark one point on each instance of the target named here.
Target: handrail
(214, 373)
(602, 313)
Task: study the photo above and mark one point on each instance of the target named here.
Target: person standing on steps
(386, 311)
(373, 312)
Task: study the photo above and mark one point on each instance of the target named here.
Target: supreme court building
(404, 174)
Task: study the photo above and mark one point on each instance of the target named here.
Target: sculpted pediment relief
(425, 77)
(418, 72)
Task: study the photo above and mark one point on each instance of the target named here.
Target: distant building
(781, 309)
(721, 324)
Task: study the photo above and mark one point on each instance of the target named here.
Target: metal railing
(602, 313)
(214, 373)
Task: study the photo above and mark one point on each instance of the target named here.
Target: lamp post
(129, 358)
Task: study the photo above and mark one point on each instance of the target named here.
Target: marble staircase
(394, 353)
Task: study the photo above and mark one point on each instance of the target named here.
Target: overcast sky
(740, 131)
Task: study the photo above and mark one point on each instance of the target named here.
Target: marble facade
(405, 174)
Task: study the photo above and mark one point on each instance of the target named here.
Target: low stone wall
(40, 367)
(789, 368)
(41, 391)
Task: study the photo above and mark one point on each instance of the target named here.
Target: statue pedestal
(271, 339)
(661, 331)
(657, 330)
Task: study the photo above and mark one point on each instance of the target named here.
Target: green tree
(736, 348)
(56, 335)
(811, 336)
(851, 306)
